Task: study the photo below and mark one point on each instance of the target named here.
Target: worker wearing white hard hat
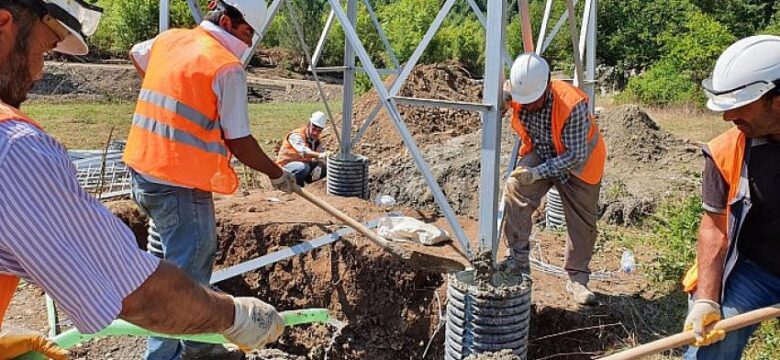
(561, 147)
(58, 237)
(302, 151)
(738, 267)
(191, 119)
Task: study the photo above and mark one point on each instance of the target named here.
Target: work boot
(580, 292)
(215, 352)
(514, 265)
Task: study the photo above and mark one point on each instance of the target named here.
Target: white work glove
(285, 183)
(15, 342)
(703, 314)
(324, 155)
(256, 324)
(525, 175)
(316, 174)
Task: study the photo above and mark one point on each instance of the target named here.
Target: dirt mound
(88, 81)
(428, 126)
(645, 164)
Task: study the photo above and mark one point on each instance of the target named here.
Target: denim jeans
(748, 288)
(302, 171)
(184, 222)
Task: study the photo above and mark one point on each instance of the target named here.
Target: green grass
(87, 125)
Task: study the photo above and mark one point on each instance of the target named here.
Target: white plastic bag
(411, 230)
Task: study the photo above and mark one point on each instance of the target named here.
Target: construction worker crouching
(58, 237)
(301, 153)
(738, 268)
(561, 147)
(191, 118)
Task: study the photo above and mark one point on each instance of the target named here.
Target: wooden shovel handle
(686, 338)
(359, 227)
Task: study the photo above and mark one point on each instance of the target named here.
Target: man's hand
(285, 183)
(256, 324)
(15, 342)
(703, 314)
(525, 175)
(324, 155)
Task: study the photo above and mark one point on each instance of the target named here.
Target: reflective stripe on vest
(9, 283)
(728, 153)
(565, 97)
(288, 153)
(176, 135)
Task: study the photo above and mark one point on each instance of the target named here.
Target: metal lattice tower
(497, 61)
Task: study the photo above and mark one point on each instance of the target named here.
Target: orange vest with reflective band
(564, 98)
(287, 152)
(176, 134)
(9, 283)
(728, 154)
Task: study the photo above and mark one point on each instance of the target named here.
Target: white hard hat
(254, 11)
(746, 71)
(319, 119)
(529, 78)
(72, 20)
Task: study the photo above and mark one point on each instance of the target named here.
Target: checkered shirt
(575, 139)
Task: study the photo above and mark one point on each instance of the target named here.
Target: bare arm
(170, 302)
(711, 250)
(249, 152)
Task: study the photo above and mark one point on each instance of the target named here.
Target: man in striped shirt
(55, 235)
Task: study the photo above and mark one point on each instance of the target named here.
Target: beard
(15, 78)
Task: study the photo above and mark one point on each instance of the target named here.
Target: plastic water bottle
(385, 200)
(627, 264)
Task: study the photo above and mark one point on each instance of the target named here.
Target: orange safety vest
(9, 283)
(728, 153)
(175, 134)
(288, 154)
(565, 97)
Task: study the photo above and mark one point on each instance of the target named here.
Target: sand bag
(406, 229)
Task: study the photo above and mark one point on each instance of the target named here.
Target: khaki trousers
(580, 201)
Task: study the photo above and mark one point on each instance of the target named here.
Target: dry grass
(86, 125)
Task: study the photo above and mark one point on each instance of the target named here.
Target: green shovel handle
(72, 337)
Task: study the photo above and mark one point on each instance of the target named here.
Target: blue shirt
(55, 235)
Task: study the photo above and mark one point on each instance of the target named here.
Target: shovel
(421, 260)
(686, 338)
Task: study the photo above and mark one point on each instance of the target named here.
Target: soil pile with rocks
(645, 164)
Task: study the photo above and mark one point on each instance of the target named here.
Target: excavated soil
(111, 82)
(643, 164)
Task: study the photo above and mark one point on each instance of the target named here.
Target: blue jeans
(302, 171)
(184, 223)
(748, 288)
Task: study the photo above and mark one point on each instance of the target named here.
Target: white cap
(744, 72)
(529, 78)
(72, 20)
(254, 11)
(319, 119)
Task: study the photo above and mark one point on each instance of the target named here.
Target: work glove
(525, 175)
(285, 183)
(15, 342)
(324, 155)
(316, 174)
(703, 314)
(256, 324)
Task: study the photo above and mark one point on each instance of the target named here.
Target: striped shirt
(574, 138)
(54, 234)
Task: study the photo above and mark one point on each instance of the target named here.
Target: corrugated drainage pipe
(554, 217)
(348, 176)
(483, 318)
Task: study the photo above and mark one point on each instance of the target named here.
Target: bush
(127, 22)
(676, 226)
(689, 54)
